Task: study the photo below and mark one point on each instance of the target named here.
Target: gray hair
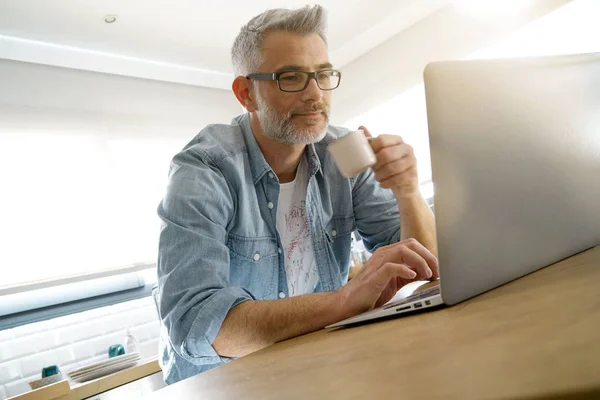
(246, 53)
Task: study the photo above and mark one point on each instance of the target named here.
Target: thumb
(366, 131)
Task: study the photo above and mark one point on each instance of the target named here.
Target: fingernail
(429, 274)
(413, 274)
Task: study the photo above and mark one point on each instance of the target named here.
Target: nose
(312, 91)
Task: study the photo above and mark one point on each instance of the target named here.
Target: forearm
(254, 325)
(417, 221)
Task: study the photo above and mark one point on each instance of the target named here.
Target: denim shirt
(219, 244)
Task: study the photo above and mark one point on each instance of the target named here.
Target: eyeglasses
(297, 81)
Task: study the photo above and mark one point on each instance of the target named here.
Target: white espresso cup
(352, 153)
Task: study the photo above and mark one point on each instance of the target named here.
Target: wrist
(340, 304)
(405, 196)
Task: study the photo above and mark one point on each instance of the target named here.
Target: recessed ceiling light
(109, 19)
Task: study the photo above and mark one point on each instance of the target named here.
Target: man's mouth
(312, 113)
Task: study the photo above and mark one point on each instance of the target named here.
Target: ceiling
(185, 41)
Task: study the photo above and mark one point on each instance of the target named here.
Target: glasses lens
(296, 81)
(328, 79)
(292, 81)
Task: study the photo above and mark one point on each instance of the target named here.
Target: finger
(395, 168)
(390, 291)
(383, 141)
(417, 263)
(435, 272)
(393, 285)
(392, 153)
(421, 250)
(391, 270)
(398, 179)
(366, 131)
(400, 282)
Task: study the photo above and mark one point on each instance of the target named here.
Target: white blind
(78, 197)
(84, 159)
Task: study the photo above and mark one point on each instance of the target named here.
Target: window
(80, 194)
(572, 28)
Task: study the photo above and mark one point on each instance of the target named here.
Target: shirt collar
(258, 164)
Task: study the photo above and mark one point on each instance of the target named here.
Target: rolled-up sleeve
(375, 211)
(193, 259)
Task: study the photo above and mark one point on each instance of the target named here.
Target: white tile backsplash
(99, 345)
(38, 327)
(149, 348)
(33, 364)
(27, 344)
(83, 351)
(82, 331)
(19, 387)
(6, 334)
(137, 317)
(10, 370)
(146, 332)
(73, 341)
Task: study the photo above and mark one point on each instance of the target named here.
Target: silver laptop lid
(515, 151)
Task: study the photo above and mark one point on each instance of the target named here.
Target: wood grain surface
(536, 337)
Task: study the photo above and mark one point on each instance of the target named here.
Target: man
(255, 240)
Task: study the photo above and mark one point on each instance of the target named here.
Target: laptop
(515, 153)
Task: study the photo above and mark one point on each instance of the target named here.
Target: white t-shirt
(292, 225)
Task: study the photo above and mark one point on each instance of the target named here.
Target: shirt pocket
(339, 228)
(254, 264)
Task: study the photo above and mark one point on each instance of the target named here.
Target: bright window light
(77, 201)
(492, 8)
(572, 28)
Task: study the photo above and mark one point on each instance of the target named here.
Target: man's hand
(255, 324)
(389, 269)
(396, 166)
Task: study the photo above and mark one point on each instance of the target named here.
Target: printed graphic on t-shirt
(294, 231)
(299, 248)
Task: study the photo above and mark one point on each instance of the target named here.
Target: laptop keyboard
(432, 291)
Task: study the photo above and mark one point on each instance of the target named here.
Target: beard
(280, 127)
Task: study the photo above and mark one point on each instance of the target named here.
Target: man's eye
(290, 78)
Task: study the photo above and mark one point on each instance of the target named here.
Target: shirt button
(256, 257)
(270, 205)
(279, 250)
(281, 295)
(271, 175)
(334, 233)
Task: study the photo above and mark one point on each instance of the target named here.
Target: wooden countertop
(63, 391)
(538, 336)
(108, 382)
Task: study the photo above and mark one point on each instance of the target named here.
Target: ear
(244, 93)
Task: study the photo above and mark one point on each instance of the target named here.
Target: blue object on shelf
(49, 371)
(116, 350)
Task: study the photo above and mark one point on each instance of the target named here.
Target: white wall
(397, 65)
(54, 88)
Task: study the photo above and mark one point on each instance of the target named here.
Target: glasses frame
(274, 76)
